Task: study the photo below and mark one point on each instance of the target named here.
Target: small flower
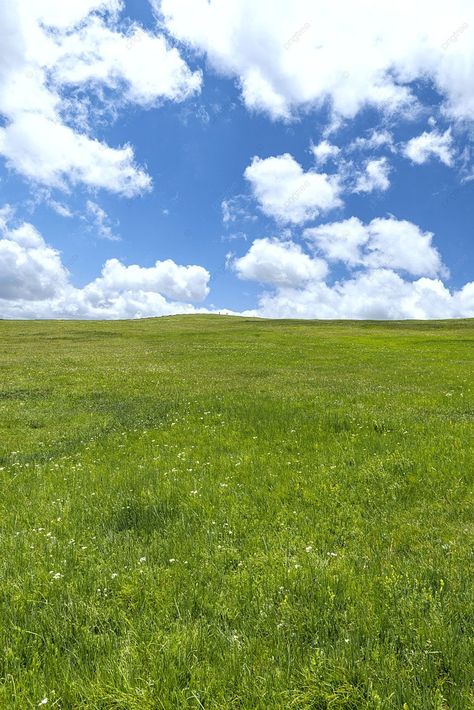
(43, 702)
(114, 575)
(142, 560)
(172, 560)
(308, 548)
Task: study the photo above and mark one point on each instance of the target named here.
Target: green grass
(205, 512)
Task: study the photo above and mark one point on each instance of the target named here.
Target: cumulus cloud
(291, 195)
(324, 151)
(35, 284)
(379, 294)
(286, 56)
(143, 63)
(180, 283)
(50, 46)
(287, 193)
(431, 145)
(280, 263)
(29, 269)
(49, 152)
(383, 243)
(375, 176)
(394, 272)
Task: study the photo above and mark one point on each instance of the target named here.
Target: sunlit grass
(227, 513)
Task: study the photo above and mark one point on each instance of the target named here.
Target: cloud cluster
(287, 56)
(50, 48)
(293, 196)
(140, 64)
(290, 195)
(393, 269)
(379, 294)
(382, 258)
(35, 284)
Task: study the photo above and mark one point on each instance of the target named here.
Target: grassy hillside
(205, 512)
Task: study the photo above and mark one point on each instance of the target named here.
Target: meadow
(215, 512)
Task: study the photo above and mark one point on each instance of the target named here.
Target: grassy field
(207, 512)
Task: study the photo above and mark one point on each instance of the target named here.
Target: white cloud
(428, 145)
(375, 141)
(63, 15)
(375, 176)
(101, 222)
(35, 284)
(373, 253)
(52, 153)
(6, 214)
(59, 208)
(380, 248)
(340, 241)
(384, 243)
(180, 283)
(148, 68)
(287, 193)
(324, 151)
(45, 47)
(29, 269)
(280, 263)
(236, 208)
(287, 56)
(376, 294)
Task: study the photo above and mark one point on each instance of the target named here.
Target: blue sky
(258, 185)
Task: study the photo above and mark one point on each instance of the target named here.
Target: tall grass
(203, 512)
